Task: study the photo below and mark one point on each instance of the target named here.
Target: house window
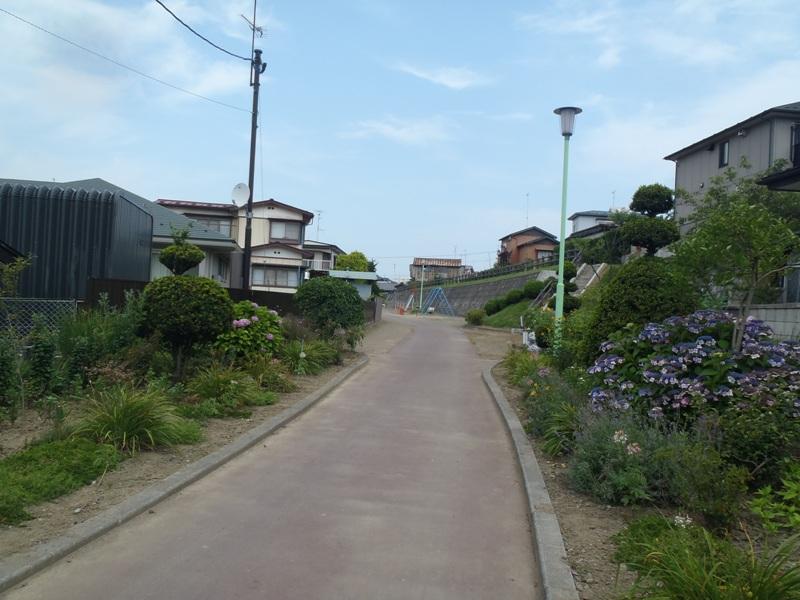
(284, 230)
(223, 267)
(221, 225)
(541, 254)
(724, 152)
(270, 276)
(794, 150)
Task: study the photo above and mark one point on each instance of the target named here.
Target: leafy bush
(225, 392)
(570, 270)
(270, 374)
(642, 290)
(514, 296)
(532, 289)
(295, 328)
(475, 316)
(330, 304)
(41, 358)
(131, 419)
(623, 461)
(570, 303)
(542, 322)
(255, 331)
(92, 335)
(8, 370)
(520, 365)
(493, 306)
(46, 471)
(780, 508)
(680, 560)
(648, 232)
(309, 358)
(187, 310)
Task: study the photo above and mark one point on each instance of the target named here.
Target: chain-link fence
(19, 315)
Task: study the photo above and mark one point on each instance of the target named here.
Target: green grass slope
(509, 316)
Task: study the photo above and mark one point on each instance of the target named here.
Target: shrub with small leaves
(475, 316)
(8, 368)
(227, 391)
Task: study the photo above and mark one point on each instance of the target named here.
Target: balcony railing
(317, 265)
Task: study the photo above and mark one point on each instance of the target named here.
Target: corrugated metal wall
(73, 235)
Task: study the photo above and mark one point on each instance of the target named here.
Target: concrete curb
(548, 545)
(18, 567)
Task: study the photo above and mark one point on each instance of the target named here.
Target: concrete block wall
(465, 297)
(783, 318)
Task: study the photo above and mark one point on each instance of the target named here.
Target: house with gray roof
(771, 137)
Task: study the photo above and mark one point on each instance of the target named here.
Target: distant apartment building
(762, 140)
(531, 243)
(428, 269)
(279, 256)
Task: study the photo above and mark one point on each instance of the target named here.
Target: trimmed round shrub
(330, 304)
(492, 306)
(514, 296)
(643, 290)
(542, 322)
(649, 232)
(651, 200)
(179, 258)
(475, 316)
(187, 310)
(532, 289)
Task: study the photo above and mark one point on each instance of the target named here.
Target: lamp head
(567, 114)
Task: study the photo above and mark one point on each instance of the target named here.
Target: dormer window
(724, 154)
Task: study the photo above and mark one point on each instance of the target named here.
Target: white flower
(682, 521)
(620, 437)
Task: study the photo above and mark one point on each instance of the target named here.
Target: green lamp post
(567, 114)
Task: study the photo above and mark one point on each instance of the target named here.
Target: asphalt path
(401, 484)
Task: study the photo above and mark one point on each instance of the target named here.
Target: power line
(121, 65)
(202, 37)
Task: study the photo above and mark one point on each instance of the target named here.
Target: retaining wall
(474, 295)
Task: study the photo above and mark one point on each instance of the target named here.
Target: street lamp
(567, 114)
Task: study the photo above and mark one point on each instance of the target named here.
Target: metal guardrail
(19, 315)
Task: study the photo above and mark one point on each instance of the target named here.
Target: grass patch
(47, 471)
(509, 316)
(132, 420)
(522, 274)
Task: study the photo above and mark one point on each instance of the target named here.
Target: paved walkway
(400, 485)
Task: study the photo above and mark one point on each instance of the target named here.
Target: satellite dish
(240, 194)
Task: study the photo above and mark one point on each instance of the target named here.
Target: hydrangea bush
(255, 331)
(684, 367)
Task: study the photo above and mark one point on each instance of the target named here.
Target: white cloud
(404, 131)
(455, 78)
(690, 49)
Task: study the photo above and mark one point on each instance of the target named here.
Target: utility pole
(257, 69)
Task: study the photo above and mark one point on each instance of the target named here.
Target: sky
(417, 128)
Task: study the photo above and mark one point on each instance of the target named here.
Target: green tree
(736, 246)
(186, 310)
(652, 200)
(330, 304)
(10, 274)
(355, 261)
(181, 256)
